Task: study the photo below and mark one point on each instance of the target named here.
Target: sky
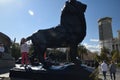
(21, 18)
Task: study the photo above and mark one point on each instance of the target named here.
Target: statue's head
(81, 5)
(71, 0)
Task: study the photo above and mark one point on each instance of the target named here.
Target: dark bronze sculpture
(69, 33)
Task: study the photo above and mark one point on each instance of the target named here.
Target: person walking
(112, 69)
(24, 51)
(104, 68)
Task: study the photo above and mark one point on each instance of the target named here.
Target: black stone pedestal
(64, 72)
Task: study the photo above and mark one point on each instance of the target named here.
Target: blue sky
(20, 18)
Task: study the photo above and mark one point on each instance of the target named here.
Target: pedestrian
(112, 69)
(2, 49)
(24, 52)
(104, 68)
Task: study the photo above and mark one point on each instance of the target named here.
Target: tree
(104, 54)
(31, 50)
(105, 50)
(15, 50)
(116, 55)
(97, 57)
(82, 51)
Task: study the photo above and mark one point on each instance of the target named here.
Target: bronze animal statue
(69, 33)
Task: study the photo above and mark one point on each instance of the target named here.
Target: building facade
(106, 35)
(6, 41)
(6, 61)
(116, 42)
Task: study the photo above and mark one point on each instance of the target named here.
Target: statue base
(7, 61)
(65, 72)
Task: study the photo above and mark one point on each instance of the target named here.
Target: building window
(116, 46)
(113, 47)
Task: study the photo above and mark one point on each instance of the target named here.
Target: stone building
(116, 42)
(106, 35)
(6, 60)
(5, 40)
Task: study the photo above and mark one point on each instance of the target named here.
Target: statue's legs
(74, 55)
(40, 50)
(40, 53)
(37, 54)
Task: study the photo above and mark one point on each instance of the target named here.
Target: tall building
(105, 28)
(106, 36)
(118, 34)
(105, 32)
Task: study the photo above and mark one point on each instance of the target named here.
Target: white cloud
(31, 12)
(94, 40)
(92, 48)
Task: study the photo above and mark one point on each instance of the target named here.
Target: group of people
(111, 67)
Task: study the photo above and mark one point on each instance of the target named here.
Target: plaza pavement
(4, 73)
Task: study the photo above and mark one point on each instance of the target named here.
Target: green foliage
(56, 55)
(82, 51)
(15, 51)
(116, 56)
(105, 50)
(118, 65)
(97, 57)
(31, 49)
(112, 53)
(104, 55)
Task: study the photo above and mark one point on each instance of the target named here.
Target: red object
(24, 58)
(45, 55)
